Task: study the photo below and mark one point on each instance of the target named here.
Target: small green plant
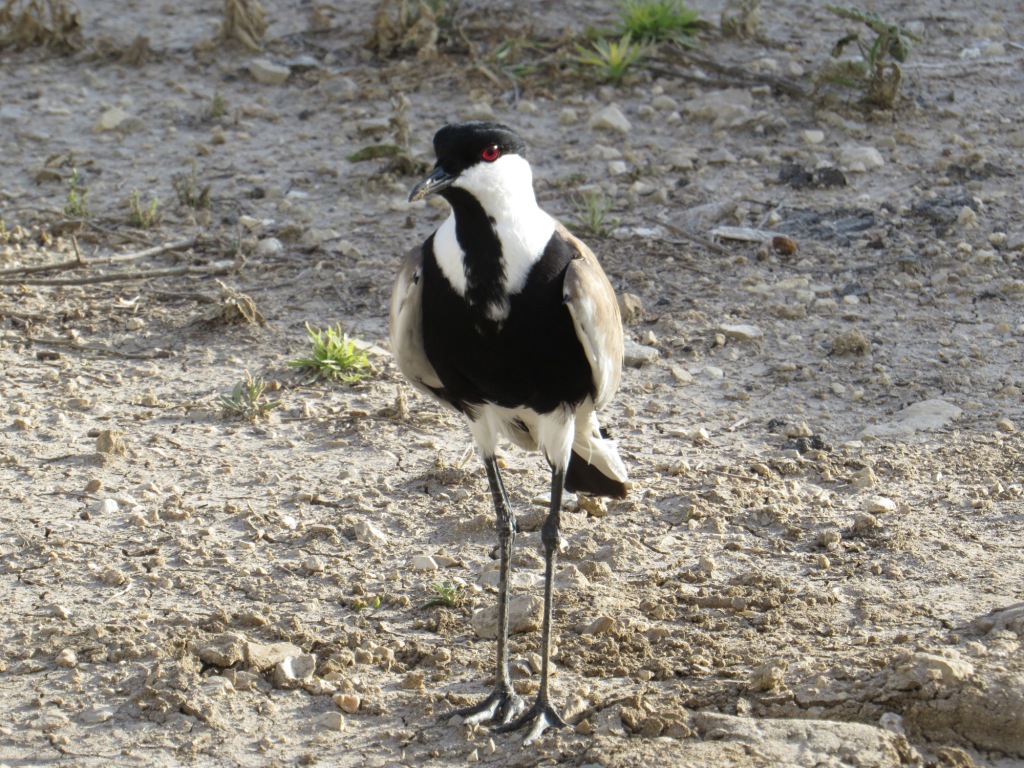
(450, 594)
(218, 107)
(189, 189)
(144, 216)
(592, 209)
(246, 400)
(877, 73)
(653, 20)
(333, 356)
(611, 59)
(359, 604)
(75, 204)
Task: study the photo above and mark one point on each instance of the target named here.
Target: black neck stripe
(484, 264)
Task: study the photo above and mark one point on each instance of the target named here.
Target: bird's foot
(539, 717)
(502, 706)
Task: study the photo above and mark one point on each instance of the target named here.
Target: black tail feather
(581, 477)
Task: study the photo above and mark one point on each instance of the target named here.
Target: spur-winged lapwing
(509, 319)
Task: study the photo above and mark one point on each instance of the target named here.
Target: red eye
(490, 154)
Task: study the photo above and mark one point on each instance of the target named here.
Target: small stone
(637, 355)
(864, 478)
(331, 721)
(823, 562)
(368, 533)
(267, 72)
(105, 507)
(665, 103)
(860, 159)
(681, 375)
(524, 614)
(610, 119)
(424, 563)
(112, 577)
(264, 657)
(294, 670)
(413, 681)
(66, 658)
(473, 757)
(110, 442)
(110, 120)
(742, 332)
(96, 714)
(706, 564)
(851, 342)
(599, 626)
(879, 505)
(568, 116)
(813, 137)
(93, 485)
(223, 650)
(631, 307)
(347, 702)
(1005, 425)
(313, 564)
(269, 246)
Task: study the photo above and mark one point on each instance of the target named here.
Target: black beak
(438, 179)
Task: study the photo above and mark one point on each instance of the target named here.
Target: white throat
(504, 189)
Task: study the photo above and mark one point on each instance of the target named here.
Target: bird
(506, 317)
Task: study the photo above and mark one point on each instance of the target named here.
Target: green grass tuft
(333, 356)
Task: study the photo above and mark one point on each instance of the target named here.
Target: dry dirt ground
(820, 560)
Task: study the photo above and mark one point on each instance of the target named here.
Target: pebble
(879, 505)
(681, 375)
(742, 332)
(67, 658)
(110, 120)
(730, 106)
(313, 564)
(599, 626)
(347, 702)
(368, 533)
(294, 669)
(264, 657)
(665, 103)
(610, 118)
(331, 721)
(864, 478)
(1005, 425)
(96, 714)
(568, 116)
(424, 563)
(631, 307)
(813, 137)
(269, 246)
(105, 507)
(524, 615)
(860, 159)
(637, 355)
(110, 442)
(267, 72)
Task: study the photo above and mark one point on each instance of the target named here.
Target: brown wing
(406, 327)
(595, 312)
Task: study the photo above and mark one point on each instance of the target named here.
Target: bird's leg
(503, 704)
(542, 715)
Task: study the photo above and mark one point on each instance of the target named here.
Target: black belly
(532, 359)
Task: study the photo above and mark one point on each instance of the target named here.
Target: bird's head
(487, 160)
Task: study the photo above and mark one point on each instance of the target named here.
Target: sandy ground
(820, 561)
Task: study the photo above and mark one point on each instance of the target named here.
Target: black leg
(542, 715)
(503, 704)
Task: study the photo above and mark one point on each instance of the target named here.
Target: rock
(681, 375)
(269, 246)
(610, 119)
(110, 442)
(728, 107)
(1005, 425)
(864, 478)
(851, 342)
(331, 721)
(96, 714)
(267, 72)
(599, 626)
(313, 564)
(66, 658)
(368, 533)
(568, 116)
(921, 416)
(813, 137)
(631, 307)
(110, 120)
(265, 657)
(879, 505)
(860, 159)
(803, 742)
(347, 702)
(294, 670)
(223, 650)
(665, 103)
(637, 355)
(524, 615)
(106, 507)
(742, 332)
(424, 563)
(769, 676)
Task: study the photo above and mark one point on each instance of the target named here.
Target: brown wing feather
(406, 326)
(595, 313)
